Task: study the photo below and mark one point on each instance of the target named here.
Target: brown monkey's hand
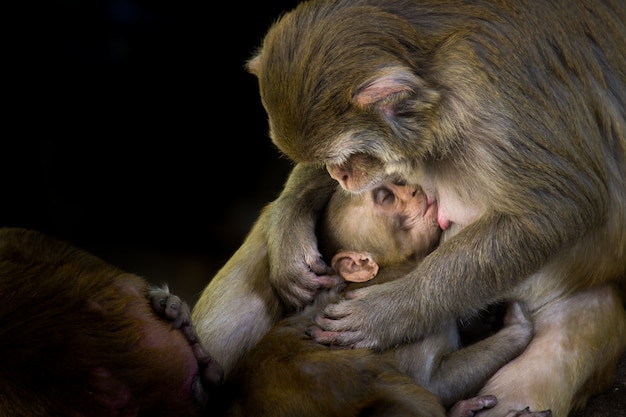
(472, 407)
(376, 317)
(169, 306)
(469, 407)
(172, 308)
(297, 270)
(299, 282)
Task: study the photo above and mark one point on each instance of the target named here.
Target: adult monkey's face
(342, 90)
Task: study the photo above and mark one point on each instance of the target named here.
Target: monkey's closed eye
(383, 196)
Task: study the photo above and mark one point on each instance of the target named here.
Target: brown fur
(80, 338)
(288, 374)
(511, 115)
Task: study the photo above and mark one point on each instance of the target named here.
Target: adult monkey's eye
(383, 196)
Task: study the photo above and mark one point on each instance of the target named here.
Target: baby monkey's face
(402, 217)
(394, 222)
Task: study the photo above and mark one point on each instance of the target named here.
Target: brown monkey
(286, 374)
(239, 305)
(79, 337)
(511, 114)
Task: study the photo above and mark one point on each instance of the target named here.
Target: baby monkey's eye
(383, 196)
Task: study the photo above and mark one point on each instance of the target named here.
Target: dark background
(132, 130)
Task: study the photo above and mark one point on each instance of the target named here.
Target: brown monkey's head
(394, 222)
(340, 87)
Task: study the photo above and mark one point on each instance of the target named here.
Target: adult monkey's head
(341, 87)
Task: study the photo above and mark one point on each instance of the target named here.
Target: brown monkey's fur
(239, 305)
(78, 337)
(288, 374)
(511, 114)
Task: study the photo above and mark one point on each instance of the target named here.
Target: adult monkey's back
(512, 115)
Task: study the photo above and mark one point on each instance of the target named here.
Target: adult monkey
(512, 116)
(288, 374)
(80, 337)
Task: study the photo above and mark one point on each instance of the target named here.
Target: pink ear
(355, 266)
(378, 90)
(388, 82)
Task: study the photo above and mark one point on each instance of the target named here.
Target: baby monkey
(371, 238)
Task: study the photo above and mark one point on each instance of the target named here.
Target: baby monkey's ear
(355, 266)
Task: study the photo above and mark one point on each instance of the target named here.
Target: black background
(132, 130)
